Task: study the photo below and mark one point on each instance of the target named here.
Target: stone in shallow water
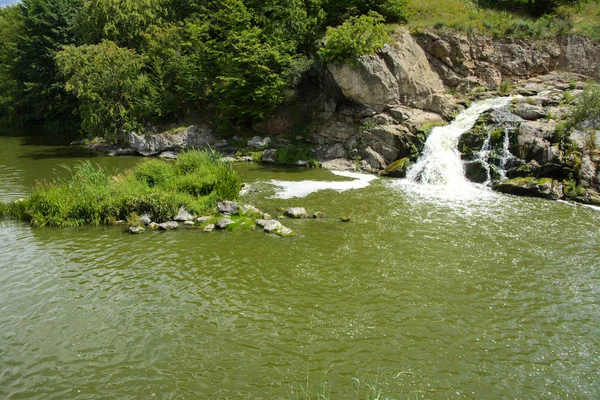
(269, 225)
(136, 230)
(203, 220)
(284, 231)
(167, 226)
(296, 212)
(223, 223)
(153, 225)
(228, 207)
(209, 228)
(319, 215)
(189, 223)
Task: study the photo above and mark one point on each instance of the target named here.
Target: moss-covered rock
(398, 168)
(529, 186)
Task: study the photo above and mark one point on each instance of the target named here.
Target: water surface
(424, 294)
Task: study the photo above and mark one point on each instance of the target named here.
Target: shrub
(588, 108)
(506, 87)
(356, 37)
(393, 10)
(293, 153)
(3, 209)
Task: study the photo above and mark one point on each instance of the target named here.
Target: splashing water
(440, 163)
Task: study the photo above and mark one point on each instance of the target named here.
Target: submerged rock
(284, 231)
(269, 225)
(136, 230)
(319, 215)
(296, 212)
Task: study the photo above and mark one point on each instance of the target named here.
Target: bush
(393, 10)
(588, 108)
(156, 187)
(290, 155)
(3, 209)
(356, 37)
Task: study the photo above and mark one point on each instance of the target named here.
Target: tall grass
(196, 181)
(468, 16)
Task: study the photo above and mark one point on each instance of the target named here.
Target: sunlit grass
(196, 181)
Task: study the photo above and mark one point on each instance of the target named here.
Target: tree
(47, 25)
(114, 94)
(355, 37)
(11, 25)
(121, 21)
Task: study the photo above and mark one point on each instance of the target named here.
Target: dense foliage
(103, 67)
(196, 181)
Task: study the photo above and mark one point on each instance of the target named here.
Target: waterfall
(440, 163)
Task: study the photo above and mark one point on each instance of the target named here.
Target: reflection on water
(431, 296)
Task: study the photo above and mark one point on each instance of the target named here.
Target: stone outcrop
(398, 75)
(192, 137)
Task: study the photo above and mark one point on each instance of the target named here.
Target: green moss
(573, 191)
(398, 168)
(196, 181)
(3, 209)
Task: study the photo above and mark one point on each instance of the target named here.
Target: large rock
(534, 138)
(228, 207)
(374, 159)
(223, 223)
(269, 225)
(392, 142)
(400, 75)
(193, 137)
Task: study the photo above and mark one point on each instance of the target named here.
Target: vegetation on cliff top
(106, 66)
(196, 181)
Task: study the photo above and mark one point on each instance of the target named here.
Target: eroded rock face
(398, 76)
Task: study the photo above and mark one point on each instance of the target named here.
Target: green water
(476, 296)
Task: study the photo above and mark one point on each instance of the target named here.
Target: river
(423, 294)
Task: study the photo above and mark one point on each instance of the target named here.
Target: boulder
(374, 159)
(400, 75)
(284, 231)
(228, 208)
(153, 225)
(203, 220)
(136, 230)
(167, 226)
(534, 138)
(398, 168)
(193, 137)
(189, 223)
(390, 141)
(544, 188)
(296, 212)
(475, 171)
(183, 215)
(209, 228)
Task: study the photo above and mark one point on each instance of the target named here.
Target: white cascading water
(440, 162)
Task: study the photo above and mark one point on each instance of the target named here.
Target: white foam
(290, 189)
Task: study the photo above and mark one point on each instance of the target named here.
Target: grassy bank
(196, 181)
(508, 18)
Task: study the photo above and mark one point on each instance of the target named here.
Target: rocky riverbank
(375, 116)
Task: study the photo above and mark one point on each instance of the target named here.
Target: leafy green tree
(114, 94)
(355, 37)
(120, 21)
(47, 25)
(11, 25)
